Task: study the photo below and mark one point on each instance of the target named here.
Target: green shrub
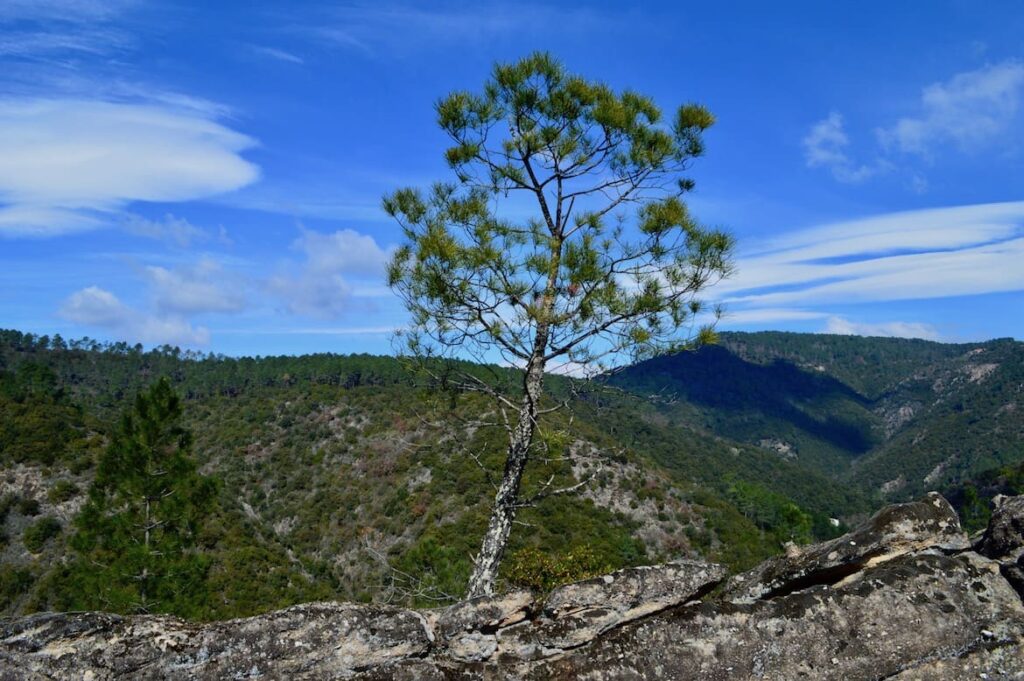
(61, 491)
(28, 506)
(6, 503)
(534, 569)
(37, 534)
(13, 582)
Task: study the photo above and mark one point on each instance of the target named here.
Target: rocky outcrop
(894, 531)
(1004, 539)
(316, 640)
(1004, 536)
(903, 596)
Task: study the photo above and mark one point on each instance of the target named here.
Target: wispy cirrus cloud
(845, 327)
(72, 11)
(969, 112)
(48, 43)
(278, 54)
(83, 136)
(770, 315)
(915, 255)
(373, 27)
(48, 29)
(172, 230)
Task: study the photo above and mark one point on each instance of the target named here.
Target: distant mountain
(891, 417)
(347, 477)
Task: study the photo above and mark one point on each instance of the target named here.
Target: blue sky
(209, 174)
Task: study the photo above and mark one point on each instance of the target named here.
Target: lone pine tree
(606, 266)
(136, 534)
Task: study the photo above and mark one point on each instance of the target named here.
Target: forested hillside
(886, 417)
(351, 477)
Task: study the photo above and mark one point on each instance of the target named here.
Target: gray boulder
(468, 628)
(888, 618)
(576, 614)
(896, 530)
(1004, 536)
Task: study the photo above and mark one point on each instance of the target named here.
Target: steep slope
(952, 421)
(889, 417)
(799, 414)
(339, 478)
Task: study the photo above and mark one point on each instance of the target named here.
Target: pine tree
(136, 535)
(609, 266)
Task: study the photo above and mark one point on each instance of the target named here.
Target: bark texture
(506, 500)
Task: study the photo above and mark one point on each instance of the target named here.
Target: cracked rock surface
(896, 530)
(903, 597)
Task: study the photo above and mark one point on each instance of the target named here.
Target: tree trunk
(506, 501)
(485, 568)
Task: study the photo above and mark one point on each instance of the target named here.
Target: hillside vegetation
(348, 477)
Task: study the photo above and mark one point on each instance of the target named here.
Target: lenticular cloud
(66, 162)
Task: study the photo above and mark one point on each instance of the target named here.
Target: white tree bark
(506, 501)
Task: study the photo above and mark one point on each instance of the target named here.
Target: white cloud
(345, 251)
(74, 11)
(337, 271)
(845, 327)
(324, 296)
(971, 110)
(769, 315)
(825, 146)
(203, 288)
(41, 221)
(170, 298)
(172, 229)
(936, 253)
(79, 159)
(280, 55)
(96, 307)
(394, 28)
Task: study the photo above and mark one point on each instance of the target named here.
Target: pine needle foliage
(136, 535)
(563, 242)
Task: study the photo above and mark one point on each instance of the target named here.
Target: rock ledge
(903, 596)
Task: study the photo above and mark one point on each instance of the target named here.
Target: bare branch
(547, 492)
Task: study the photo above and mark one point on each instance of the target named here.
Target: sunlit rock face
(904, 596)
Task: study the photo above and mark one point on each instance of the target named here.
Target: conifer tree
(136, 534)
(563, 241)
